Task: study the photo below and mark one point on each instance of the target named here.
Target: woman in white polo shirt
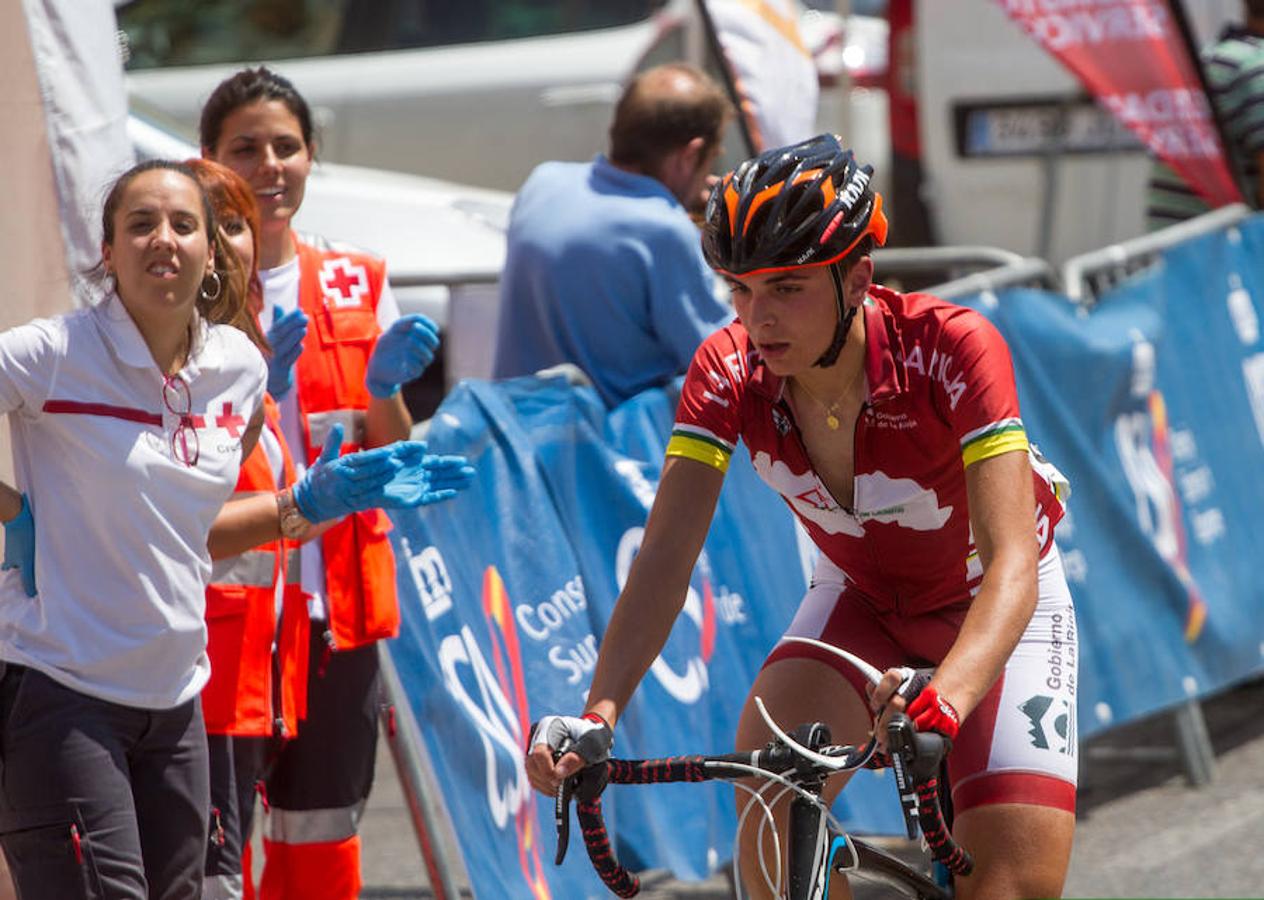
(129, 421)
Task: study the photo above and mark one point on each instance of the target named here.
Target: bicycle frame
(817, 850)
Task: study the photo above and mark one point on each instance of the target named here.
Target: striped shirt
(1235, 77)
(941, 397)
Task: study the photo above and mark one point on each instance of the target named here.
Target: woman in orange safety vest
(341, 351)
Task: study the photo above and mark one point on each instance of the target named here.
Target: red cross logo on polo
(230, 421)
(343, 283)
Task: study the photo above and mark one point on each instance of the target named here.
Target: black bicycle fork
(815, 851)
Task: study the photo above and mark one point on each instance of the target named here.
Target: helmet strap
(842, 325)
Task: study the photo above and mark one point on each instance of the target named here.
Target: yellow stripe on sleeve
(994, 445)
(700, 450)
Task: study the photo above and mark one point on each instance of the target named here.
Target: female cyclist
(889, 423)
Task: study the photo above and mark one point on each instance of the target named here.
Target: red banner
(1132, 56)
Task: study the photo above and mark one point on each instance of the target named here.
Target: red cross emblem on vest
(343, 282)
(230, 421)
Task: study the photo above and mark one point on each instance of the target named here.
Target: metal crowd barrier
(1089, 275)
(432, 823)
(455, 278)
(1025, 271)
(970, 269)
(957, 261)
(1085, 278)
(470, 308)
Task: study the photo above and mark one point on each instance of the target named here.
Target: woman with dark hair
(341, 352)
(129, 420)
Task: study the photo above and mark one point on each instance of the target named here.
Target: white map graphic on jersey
(879, 498)
(808, 497)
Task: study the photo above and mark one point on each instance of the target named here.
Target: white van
(444, 246)
(472, 91)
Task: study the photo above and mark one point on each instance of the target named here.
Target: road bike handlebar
(914, 756)
(915, 760)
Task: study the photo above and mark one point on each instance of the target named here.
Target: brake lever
(897, 746)
(562, 807)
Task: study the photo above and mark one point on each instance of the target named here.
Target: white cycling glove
(589, 736)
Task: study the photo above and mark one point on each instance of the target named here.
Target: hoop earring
(219, 286)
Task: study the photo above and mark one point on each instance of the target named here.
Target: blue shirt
(604, 269)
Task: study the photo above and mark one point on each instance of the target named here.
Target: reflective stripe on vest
(293, 575)
(223, 887)
(313, 826)
(353, 425)
(254, 568)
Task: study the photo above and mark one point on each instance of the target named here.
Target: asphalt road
(1143, 831)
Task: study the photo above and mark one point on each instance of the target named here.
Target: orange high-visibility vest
(250, 691)
(339, 290)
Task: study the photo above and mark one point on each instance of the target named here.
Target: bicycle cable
(768, 822)
(833, 763)
(788, 785)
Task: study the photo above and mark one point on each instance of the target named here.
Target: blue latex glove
(19, 546)
(286, 337)
(337, 485)
(402, 354)
(424, 478)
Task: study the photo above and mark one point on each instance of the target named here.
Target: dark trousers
(237, 764)
(329, 765)
(99, 800)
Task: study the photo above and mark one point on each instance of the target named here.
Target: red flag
(1132, 56)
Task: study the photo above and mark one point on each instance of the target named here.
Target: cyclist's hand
(894, 693)
(931, 712)
(560, 746)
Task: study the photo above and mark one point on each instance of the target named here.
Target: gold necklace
(830, 419)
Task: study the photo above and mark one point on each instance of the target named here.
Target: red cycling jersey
(941, 397)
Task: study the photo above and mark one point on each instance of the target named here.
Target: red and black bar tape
(597, 841)
(655, 771)
(942, 847)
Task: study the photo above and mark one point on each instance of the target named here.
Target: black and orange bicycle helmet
(808, 204)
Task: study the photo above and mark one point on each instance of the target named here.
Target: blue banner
(1152, 404)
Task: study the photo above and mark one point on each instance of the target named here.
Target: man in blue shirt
(604, 266)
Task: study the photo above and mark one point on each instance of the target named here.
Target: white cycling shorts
(1019, 744)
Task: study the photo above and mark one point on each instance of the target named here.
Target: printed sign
(1131, 55)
